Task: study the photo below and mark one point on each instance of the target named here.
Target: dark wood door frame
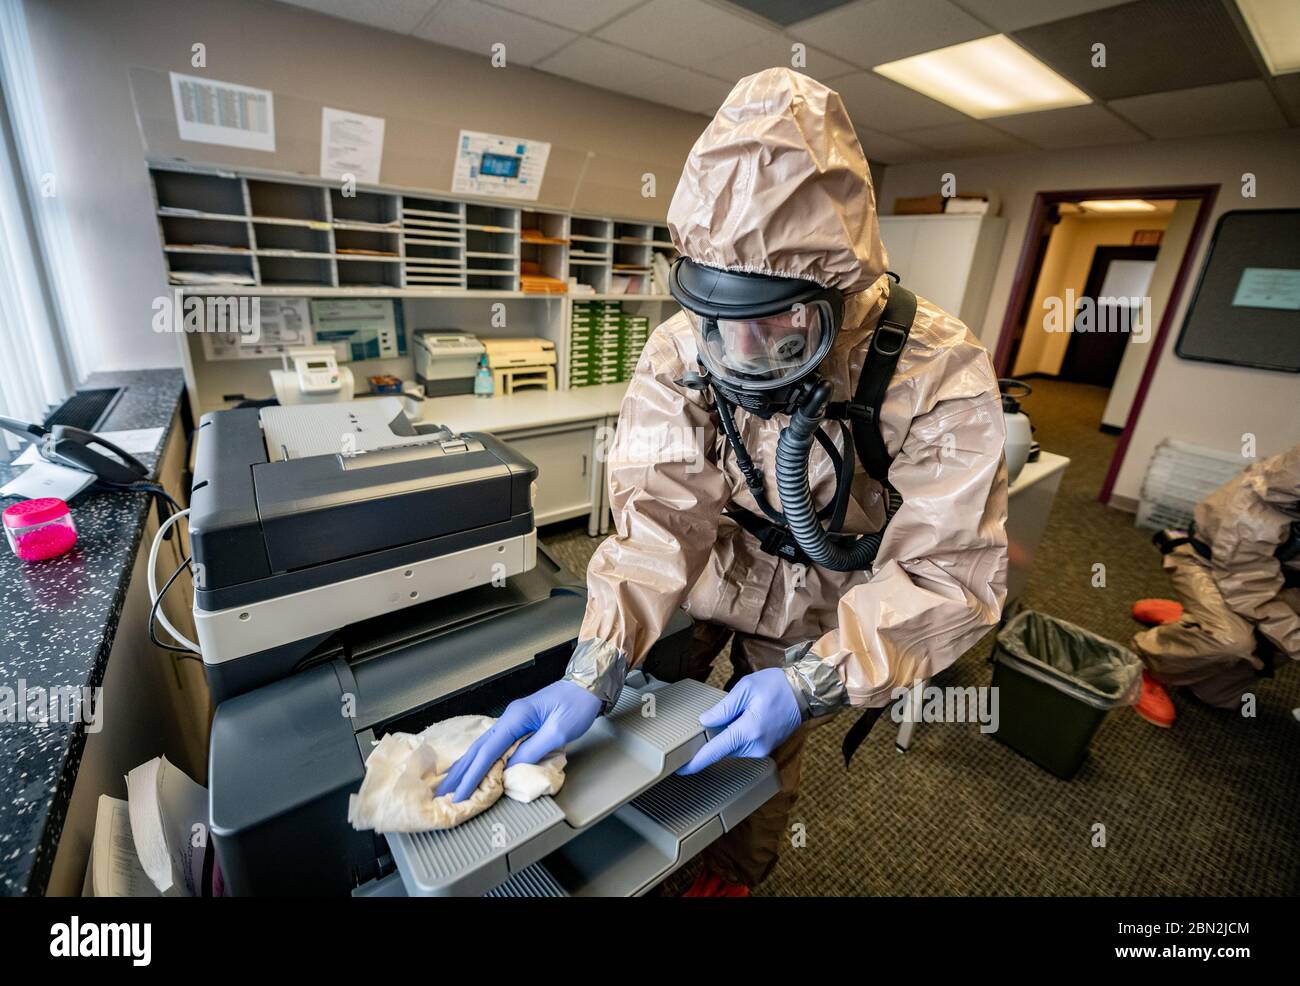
(1022, 285)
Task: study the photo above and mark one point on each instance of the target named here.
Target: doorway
(1119, 278)
(1099, 277)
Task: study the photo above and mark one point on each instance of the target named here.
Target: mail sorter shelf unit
(604, 249)
(433, 242)
(245, 230)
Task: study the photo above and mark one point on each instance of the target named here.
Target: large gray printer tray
(284, 759)
(622, 822)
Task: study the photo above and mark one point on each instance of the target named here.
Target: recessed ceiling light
(989, 77)
(1118, 205)
(1275, 26)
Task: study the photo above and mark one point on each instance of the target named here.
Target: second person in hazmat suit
(783, 284)
(1237, 574)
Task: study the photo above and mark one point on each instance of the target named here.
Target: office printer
(445, 362)
(307, 519)
(356, 578)
(284, 759)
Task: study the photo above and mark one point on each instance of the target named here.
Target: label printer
(357, 575)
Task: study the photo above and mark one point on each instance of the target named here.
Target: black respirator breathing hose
(792, 450)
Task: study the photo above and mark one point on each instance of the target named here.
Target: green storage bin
(1056, 681)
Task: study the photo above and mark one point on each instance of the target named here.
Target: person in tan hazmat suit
(783, 274)
(1238, 577)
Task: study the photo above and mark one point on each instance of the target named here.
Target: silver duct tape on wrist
(599, 667)
(816, 685)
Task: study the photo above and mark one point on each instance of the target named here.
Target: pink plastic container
(39, 529)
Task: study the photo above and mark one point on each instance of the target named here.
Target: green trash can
(1056, 682)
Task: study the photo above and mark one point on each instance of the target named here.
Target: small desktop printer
(445, 362)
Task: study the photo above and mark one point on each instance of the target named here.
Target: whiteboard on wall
(1246, 307)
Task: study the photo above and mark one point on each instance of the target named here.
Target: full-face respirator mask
(760, 340)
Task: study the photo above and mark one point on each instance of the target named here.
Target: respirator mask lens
(767, 351)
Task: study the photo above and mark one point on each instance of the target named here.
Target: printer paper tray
(622, 821)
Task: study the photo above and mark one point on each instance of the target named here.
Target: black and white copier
(357, 575)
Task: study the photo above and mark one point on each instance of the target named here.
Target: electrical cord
(166, 505)
(157, 491)
(153, 616)
(154, 595)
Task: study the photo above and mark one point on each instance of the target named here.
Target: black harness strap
(858, 732)
(774, 539)
(863, 412)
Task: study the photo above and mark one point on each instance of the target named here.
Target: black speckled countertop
(58, 619)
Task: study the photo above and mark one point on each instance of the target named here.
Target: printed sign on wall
(226, 113)
(351, 144)
(509, 167)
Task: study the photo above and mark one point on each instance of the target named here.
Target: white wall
(1206, 403)
(90, 56)
(1172, 247)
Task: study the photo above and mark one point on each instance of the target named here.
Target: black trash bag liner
(1094, 665)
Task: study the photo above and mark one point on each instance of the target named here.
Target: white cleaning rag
(404, 770)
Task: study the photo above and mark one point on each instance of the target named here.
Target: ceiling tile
(476, 27)
(789, 11)
(1151, 46)
(684, 32)
(872, 32)
(887, 106)
(402, 16)
(969, 138)
(1232, 107)
(578, 15)
(687, 90)
(1073, 126)
(884, 149)
(775, 52)
(1012, 15)
(605, 65)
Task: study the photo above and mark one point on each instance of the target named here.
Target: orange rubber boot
(1155, 612)
(1154, 705)
(709, 884)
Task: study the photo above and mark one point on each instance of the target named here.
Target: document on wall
(1268, 287)
(282, 324)
(350, 144)
(508, 167)
(212, 112)
(370, 328)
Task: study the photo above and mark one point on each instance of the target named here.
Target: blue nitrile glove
(759, 714)
(555, 715)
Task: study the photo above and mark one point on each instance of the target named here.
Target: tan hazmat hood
(778, 184)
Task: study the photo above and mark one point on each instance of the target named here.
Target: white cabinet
(949, 260)
(565, 457)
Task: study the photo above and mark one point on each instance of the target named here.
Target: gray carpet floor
(1211, 806)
